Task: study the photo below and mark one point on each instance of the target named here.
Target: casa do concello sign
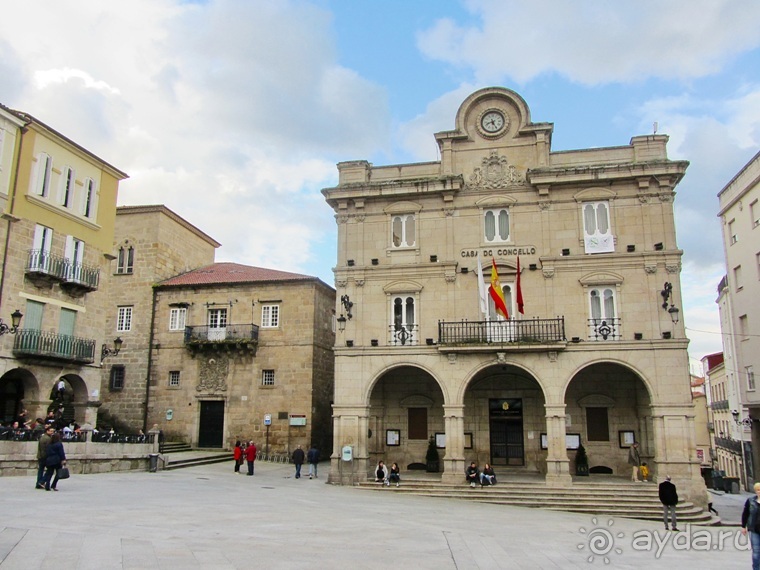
(497, 252)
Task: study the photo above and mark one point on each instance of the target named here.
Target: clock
(492, 122)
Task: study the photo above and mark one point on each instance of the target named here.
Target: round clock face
(492, 122)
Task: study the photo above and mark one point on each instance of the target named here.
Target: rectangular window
(750, 377)
(597, 231)
(744, 327)
(597, 424)
(124, 319)
(66, 193)
(88, 198)
(42, 174)
(496, 224)
(754, 214)
(738, 283)
(125, 260)
(603, 323)
(117, 377)
(174, 378)
(177, 317)
(267, 377)
(74, 254)
(732, 237)
(217, 324)
(39, 257)
(33, 315)
(418, 428)
(67, 322)
(270, 316)
(403, 321)
(403, 229)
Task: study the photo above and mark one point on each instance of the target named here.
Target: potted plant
(581, 461)
(432, 460)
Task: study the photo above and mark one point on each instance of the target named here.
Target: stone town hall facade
(598, 357)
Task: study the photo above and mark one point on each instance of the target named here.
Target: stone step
(175, 447)
(196, 461)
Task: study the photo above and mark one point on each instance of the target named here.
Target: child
(644, 472)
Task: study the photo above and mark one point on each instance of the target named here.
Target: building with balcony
(151, 243)
(240, 352)
(738, 292)
(59, 205)
(581, 245)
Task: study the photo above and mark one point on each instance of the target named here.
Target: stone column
(350, 425)
(453, 461)
(557, 462)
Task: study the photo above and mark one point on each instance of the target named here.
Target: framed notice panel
(468, 440)
(440, 440)
(627, 438)
(392, 437)
(572, 441)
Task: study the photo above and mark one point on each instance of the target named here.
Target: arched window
(403, 327)
(496, 224)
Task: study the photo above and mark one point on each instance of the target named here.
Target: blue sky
(234, 113)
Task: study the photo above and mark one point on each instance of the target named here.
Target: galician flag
(520, 304)
(496, 292)
(482, 290)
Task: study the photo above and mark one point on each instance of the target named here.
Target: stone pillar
(675, 451)
(557, 462)
(350, 428)
(453, 461)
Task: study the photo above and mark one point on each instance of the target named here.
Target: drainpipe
(150, 359)
(9, 219)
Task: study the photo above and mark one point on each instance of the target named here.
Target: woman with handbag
(54, 462)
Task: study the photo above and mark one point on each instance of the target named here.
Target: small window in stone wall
(117, 377)
(418, 428)
(597, 424)
(267, 378)
(174, 378)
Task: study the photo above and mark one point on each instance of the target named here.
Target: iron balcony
(32, 343)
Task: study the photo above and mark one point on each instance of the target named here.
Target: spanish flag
(496, 292)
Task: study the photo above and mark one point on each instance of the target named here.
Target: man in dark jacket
(669, 500)
(751, 523)
(473, 474)
(312, 456)
(298, 457)
(42, 446)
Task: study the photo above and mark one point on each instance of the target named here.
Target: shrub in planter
(581, 461)
(432, 460)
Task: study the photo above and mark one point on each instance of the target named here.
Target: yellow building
(57, 233)
(598, 357)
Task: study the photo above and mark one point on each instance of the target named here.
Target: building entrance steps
(606, 495)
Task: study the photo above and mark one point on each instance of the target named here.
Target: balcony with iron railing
(604, 329)
(42, 265)
(30, 343)
(240, 338)
(524, 335)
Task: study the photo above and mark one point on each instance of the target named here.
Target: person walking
(669, 500)
(42, 446)
(751, 523)
(298, 458)
(312, 456)
(250, 456)
(237, 455)
(634, 460)
(55, 459)
(710, 508)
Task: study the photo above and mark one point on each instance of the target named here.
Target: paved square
(208, 517)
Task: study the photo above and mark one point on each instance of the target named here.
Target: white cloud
(232, 114)
(595, 41)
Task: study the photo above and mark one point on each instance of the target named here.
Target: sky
(234, 113)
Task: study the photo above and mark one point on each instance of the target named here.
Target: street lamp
(667, 295)
(15, 322)
(105, 352)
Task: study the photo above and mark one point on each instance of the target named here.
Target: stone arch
(19, 389)
(500, 360)
(608, 402)
(385, 370)
(73, 399)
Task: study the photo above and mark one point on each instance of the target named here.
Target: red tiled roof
(221, 273)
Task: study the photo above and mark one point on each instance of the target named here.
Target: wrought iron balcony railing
(404, 335)
(604, 329)
(228, 334)
(85, 276)
(34, 343)
(43, 262)
(529, 331)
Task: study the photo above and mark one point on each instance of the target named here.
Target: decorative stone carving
(651, 269)
(666, 197)
(643, 199)
(360, 217)
(342, 218)
(544, 205)
(552, 356)
(450, 277)
(495, 172)
(673, 268)
(359, 282)
(548, 272)
(212, 374)
(501, 357)
(341, 283)
(448, 211)
(452, 358)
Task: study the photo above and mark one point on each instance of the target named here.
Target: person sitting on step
(472, 474)
(487, 477)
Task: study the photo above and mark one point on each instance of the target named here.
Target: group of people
(385, 476)
(246, 451)
(475, 476)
